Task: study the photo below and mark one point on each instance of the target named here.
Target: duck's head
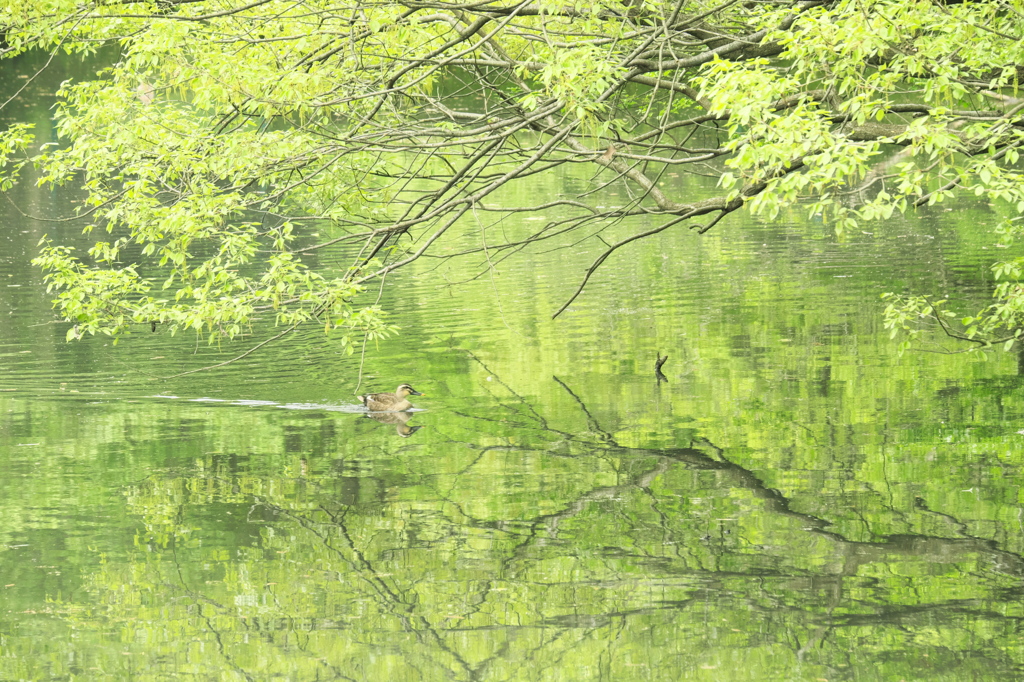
(406, 389)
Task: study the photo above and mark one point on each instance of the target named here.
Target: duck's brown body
(389, 402)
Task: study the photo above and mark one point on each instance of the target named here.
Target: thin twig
(234, 359)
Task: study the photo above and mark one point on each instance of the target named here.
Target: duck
(389, 402)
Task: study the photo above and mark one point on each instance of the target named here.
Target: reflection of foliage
(860, 517)
(517, 544)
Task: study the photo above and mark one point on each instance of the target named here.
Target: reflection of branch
(642, 481)
(540, 419)
(591, 422)
(961, 527)
(857, 553)
(198, 598)
(696, 457)
(389, 598)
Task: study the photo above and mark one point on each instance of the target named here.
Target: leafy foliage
(998, 324)
(224, 126)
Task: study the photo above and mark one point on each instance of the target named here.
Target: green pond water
(795, 502)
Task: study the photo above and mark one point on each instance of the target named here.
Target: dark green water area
(793, 502)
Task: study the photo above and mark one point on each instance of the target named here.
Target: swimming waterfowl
(389, 402)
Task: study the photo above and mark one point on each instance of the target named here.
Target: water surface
(793, 502)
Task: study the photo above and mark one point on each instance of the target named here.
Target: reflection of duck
(389, 402)
(399, 419)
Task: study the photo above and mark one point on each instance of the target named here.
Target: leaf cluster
(234, 142)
